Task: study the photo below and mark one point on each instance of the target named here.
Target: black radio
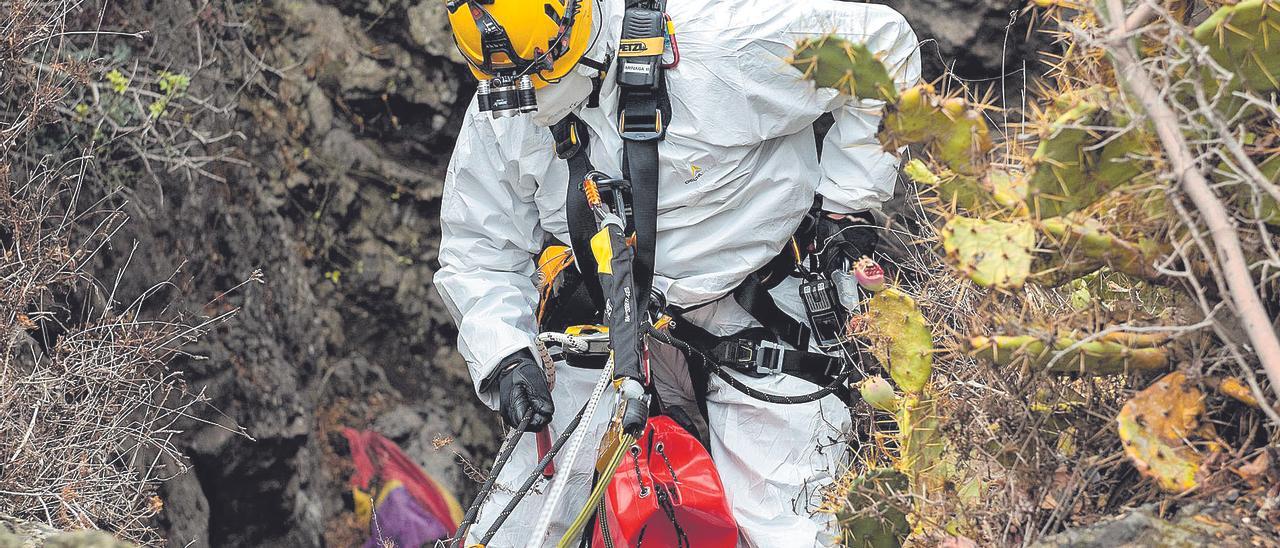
(822, 305)
(641, 48)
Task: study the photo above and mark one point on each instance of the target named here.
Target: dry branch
(1242, 292)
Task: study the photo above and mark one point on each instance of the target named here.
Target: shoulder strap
(644, 111)
(572, 138)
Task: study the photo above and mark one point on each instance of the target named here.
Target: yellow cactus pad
(952, 130)
(1101, 356)
(991, 253)
(996, 191)
(1153, 427)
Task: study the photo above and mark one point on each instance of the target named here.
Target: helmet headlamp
(508, 89)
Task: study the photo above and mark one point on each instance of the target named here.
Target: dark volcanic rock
(978, 40)
(346, 120)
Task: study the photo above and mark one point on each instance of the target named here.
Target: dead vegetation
(90, 409)
(1098, 272)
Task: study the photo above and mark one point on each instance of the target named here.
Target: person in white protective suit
(738, 170)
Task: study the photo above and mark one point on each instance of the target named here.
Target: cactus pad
(1237, 390)
(991, 253)
(900, 339)
(1245, 38)
(833, 62)
(1076, 247)
(1108, 355)
(951, 130)
(1154, 426)
(1266, 208)
(876, 513)
(1075, 164)
(998, 190)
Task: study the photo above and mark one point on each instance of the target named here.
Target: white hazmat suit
(737, 172)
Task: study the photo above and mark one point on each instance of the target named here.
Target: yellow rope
(580, 522)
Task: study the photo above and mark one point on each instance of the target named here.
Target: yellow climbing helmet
(510, 39)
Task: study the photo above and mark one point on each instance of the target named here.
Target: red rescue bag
(666, 492)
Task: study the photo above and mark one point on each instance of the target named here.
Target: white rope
(565, 467)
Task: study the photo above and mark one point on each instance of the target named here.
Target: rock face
(345, 119)
(977, 39)
(344, 113)
(1192, 526)
(19, 534)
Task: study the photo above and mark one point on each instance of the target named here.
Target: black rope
(664, 503)
(719, 370)
(508, 447)
(664, 498)
(533, 478)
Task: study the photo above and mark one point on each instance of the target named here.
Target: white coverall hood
(557, 100)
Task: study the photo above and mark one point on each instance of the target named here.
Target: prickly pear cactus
(876, 513)
(1266, 209)
(996, 191)
(920, 444)
(877, 392)
(991, 253)
(900, 339)
(1074, 164)
(951, 130)
(1077, 247)
(1245, 38)
(1154, 427)
(1071, 353)
(833, 62)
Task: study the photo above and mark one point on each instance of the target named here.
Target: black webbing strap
(753, 296)
(753, 353)
(644, 111)
(572, 138)
(640, 163)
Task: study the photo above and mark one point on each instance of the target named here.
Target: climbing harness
(721, 370)
(612, 235)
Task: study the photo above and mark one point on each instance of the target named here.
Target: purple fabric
(401, 522)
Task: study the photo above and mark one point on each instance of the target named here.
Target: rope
(533, 478)
(508, 447)
(597, 494)
(719, 370)
(575, 447)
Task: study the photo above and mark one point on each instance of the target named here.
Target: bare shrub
(88, 407)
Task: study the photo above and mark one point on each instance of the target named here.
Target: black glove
(522, 389)
(841, 239)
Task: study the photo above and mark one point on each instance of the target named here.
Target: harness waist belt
(761, 358)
